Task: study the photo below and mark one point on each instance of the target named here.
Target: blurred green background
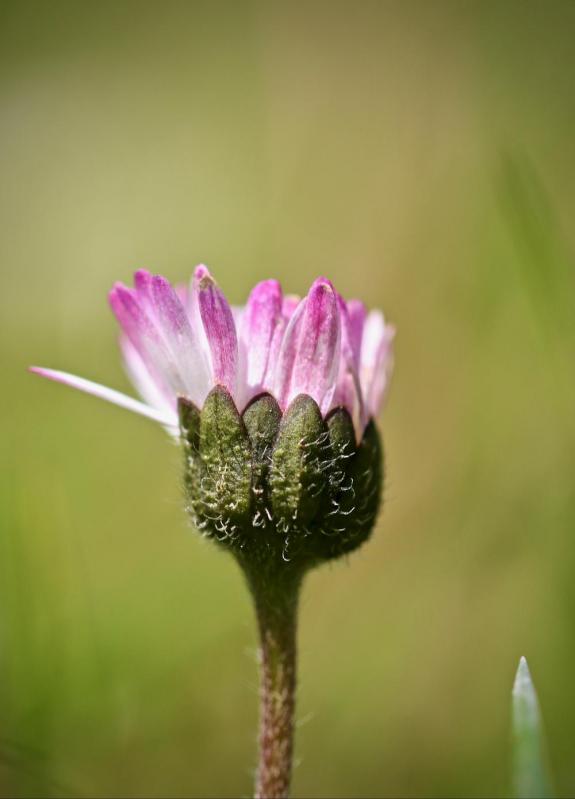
(421, 154)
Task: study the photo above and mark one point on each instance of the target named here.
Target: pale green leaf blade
(530, 774)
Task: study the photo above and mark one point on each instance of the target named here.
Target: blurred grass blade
(545, 268)
(530, 774)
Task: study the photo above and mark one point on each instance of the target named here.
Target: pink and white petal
(373, 334)
(195, 317)
(182, 290)
(169, 419)
(289, 340)
(382, 374)
(141, 330)
(376, 361)
(262, 313)
(347, 354)
(241, 397)
(144, 292)
(289, 307)
(143, 287)
(356, 312)
(309, 356)
(131, 316)
(347, 392)
(348, 395)
(188, 363)
(200, 272)
(237, 313)
(218, 322)
(153, 392)
(290, 303)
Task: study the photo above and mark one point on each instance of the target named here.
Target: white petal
(109, 394)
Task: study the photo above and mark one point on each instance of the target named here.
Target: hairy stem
(276, 610)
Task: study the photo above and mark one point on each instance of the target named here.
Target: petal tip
(118, 291)
(159, 281)
(206, 282)
(322, 284)
(142, 278)
(201, 271)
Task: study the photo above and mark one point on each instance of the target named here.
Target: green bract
(276, 490)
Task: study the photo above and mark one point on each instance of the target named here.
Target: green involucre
(276, 490)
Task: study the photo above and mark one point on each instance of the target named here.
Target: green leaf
(530, 773)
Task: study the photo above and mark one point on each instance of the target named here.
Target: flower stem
(276, 611)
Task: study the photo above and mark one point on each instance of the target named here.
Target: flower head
(273, 403)
(180, 342)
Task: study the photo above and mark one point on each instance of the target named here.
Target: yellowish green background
(420, 154)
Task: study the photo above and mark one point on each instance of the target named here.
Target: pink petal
(260, 320)
(289, 306)
(156, 323)
(187, 355)
(200, 272)
(309, 357)
(165, 418)
(346, 332)
(356, 312)
(218, 322)
(143, 285)
(152, 392)
(242, 395)
(347, 391)
(376, 362)
(237, 313)
(195, 317)
(181, 290)
(132, 318)
(290, 303)
(348, 395)
(142, 332)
